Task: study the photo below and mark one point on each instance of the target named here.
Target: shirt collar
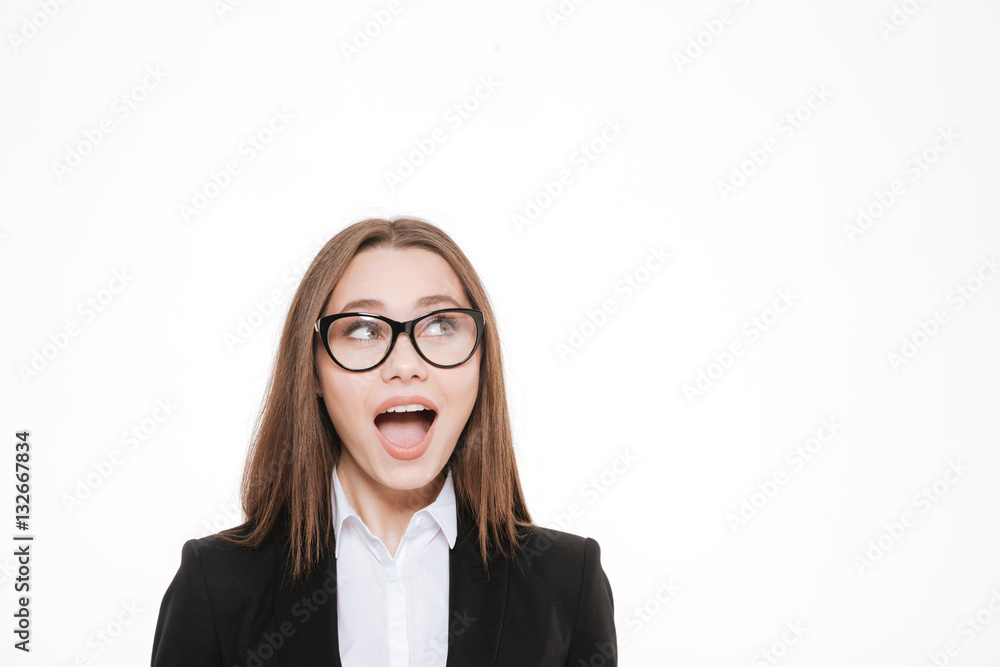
(442, 510)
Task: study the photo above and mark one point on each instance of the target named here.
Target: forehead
(398, 278)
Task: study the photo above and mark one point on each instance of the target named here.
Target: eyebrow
(422, 302)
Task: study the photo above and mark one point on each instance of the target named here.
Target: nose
(403, 361)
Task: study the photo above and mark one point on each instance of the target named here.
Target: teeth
(413, 407)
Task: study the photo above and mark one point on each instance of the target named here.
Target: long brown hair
(286, 481)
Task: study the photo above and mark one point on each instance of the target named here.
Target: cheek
(471, 386)
(343, 394)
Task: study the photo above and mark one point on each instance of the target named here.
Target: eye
(358, 329)
(440, 326)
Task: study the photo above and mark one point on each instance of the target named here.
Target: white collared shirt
(394, 611)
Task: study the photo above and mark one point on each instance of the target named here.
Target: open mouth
(405, 425)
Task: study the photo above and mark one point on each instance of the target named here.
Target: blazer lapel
(308, 612)
(476, 601)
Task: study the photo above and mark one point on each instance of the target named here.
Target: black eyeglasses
(361, 341)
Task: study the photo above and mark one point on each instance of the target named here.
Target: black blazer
(551, 605)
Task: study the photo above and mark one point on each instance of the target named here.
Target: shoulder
(539, 542)
(215, 550)
(557, 558)
(229, 572)
(561, 573)
(204, 609)
(220, 546)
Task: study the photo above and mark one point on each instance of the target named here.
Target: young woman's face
(402, 285)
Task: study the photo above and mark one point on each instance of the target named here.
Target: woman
(385, 522)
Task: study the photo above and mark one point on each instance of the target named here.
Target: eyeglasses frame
(323, 324)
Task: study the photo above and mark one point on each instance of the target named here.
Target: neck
(386, 511)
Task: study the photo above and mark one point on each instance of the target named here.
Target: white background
(691, 585)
